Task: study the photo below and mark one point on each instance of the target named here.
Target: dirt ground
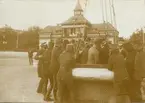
(18, 80)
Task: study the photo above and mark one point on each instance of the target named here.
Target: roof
(102, 26)
(78, 7)
(52, 29)
(77, 19)
(48, 29)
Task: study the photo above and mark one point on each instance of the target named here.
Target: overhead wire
(106, 13)
(114, 15)
(85, 7)
(102, 5)
(110, 8)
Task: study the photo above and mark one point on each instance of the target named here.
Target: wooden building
(78, 27)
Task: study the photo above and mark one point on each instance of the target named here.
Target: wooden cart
(93, 84)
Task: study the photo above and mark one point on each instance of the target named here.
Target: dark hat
(113, 46)
(65, 41)
(128, 46)
(70, 48)
(58, 42)
(97, 41)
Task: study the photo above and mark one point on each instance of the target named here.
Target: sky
(21, 14)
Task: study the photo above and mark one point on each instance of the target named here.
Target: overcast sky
(21, 14)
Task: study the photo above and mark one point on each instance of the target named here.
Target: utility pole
(17, 44)
(143, 35)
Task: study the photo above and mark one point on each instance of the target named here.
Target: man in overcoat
(93, 53)
(64, 77)
(46, 72)
(54, 64)
(139, 72)
(39, 57)
(130, 67)
(116, 64)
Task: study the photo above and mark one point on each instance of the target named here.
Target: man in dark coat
(30, 56)
(116, 63)
(130, 66)
(139, 72)
(84, 54)
(39, 57)
(64, 77)
(47, 72)
(130, 58)
(65, 42)
(93, 53)
(54, 65)
(104, 54)
(123, 50)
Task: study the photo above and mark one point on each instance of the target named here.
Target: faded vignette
(1, 1)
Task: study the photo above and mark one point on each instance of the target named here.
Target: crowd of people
(57, 59)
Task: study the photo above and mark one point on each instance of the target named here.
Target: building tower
(76, 26)
(78, 9)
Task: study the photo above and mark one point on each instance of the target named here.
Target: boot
(39, 89)
(47, 99)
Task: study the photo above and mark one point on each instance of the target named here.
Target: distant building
(78, 27)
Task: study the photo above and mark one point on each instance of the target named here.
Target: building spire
(78, 6)
(78, 9)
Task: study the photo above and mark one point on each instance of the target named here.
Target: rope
(110, 6)
(114, 14)
(102, 10)
(86, 2)
(106, 11)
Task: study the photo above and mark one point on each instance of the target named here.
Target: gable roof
(77, 19)
(104, 26)
(52, 29)
(48, 29)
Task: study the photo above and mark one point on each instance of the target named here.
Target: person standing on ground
(54, 64)
(64, 76)
(139, 72)
(84, 54)
(30, 56)
(93, 53)
(39, 57)
(104, 53)
(48, 74)
(116, 63)
(130, 66)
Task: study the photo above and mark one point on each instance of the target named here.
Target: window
(78, 13)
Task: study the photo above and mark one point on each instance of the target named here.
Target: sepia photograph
(72, 51)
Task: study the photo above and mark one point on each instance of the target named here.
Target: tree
(33, 33)
(137, 36)
(8, 38)
(25, 39)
